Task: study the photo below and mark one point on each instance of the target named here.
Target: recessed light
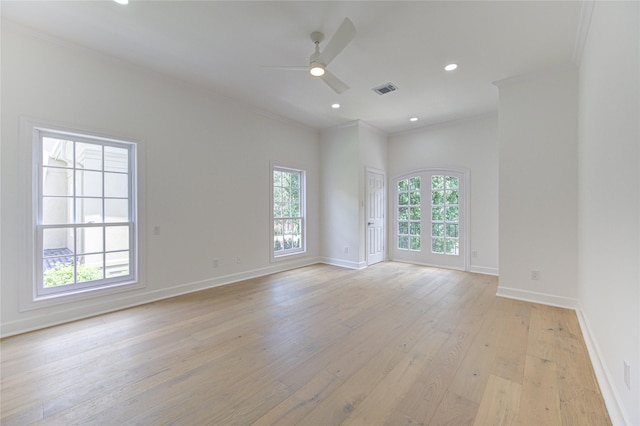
(451, 67)
(335, 106)
(413, 119)
(122, 1)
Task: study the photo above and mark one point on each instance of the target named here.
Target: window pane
(57, 242)
(57, 152)
(403, 198)
(452, 213)
(403, 242)
(277, 210)
(88, 156)
(403, 185)
(89, 240)
(286, 210)
(116, 185)
(437, 230)
(278, 243)
(415, 198)
(116, 159)
(452, 197)
(277, 227)
(116, 238)
(415, 228)
(90, 267)
(88, 210)
(437, 182)
(117, 264)
(88, 184)
(57, 210)
(295, 180)
(437, 198)
(452, 231)
(277, 178)
(295, 196)
(414, 183)
(452, 182)
(116, 210)
(437, 245)
(295, 210)
(58, 271)
(403, 228)
(437, 213)
(452, 246)
(403, 213)
(278, 196)
(57, 181)
(414, 243)
(415, 213)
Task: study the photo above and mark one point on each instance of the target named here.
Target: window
(431, 218)
(85, 213)
(444, 215)
(409, 214)
(288, 202)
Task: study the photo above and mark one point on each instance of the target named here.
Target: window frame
(302, 250)
(33, 294)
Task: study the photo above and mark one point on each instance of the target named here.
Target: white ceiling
(223, 47)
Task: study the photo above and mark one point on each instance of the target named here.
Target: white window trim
(29, 199)
(303, 210)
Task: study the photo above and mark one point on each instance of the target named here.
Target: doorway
(430, 218)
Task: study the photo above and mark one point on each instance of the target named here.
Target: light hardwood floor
(392, 344)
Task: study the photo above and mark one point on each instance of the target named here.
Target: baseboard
(60, 315)
(484, 270)
(343, 263)
(542, 298)
(603, 376)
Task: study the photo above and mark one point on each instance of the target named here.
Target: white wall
(609, 201)
(538, 169)
(340, 195)
(345, 153)
(472, 144)
(207, 169)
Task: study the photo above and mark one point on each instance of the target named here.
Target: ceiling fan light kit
(319, 61)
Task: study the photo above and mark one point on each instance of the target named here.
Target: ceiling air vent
(385, 88)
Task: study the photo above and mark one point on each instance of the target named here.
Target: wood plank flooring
(393, 344)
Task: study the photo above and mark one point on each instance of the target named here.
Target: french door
(430, 218)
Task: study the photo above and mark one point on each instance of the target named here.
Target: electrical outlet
(474, 253)
(238, 260)
(627, 375)
(216, 263)
(346, 250)
(156, 230)
(535, 275)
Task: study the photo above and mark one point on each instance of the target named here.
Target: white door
(375, 217)
(430, 218)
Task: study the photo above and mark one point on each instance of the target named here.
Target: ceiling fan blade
(334, 82)
(304, 68)
(343, 36)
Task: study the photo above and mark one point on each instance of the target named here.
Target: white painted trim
(343, 263)
(603, 376)
(535, 297)
(484, 270)
(88, 309)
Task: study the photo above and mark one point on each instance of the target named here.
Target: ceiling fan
(319, 61)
